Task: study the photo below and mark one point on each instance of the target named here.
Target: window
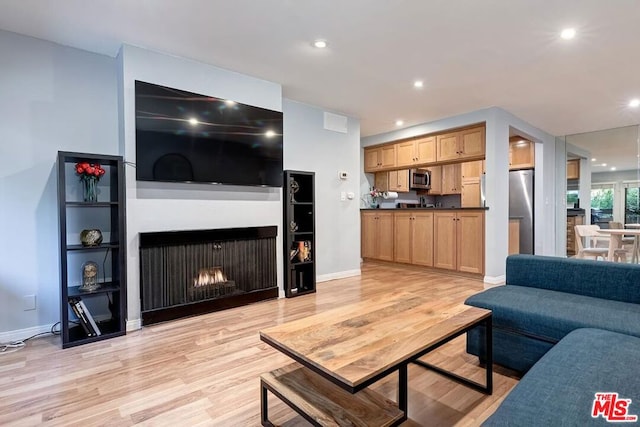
(573, 199)
(632, 205)
(602, 205)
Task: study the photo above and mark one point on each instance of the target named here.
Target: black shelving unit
(108, 303)
(299, 233)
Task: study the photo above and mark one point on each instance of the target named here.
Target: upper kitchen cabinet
(416, 151)
(451, 179)
(436, 180)
(573, 169)
(471, 179)
(521, 153)
(379, 158)
(464, 144)
(393, 181)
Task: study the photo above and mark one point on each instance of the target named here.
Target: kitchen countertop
(425, 209)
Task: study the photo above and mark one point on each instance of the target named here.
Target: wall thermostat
(343, 175)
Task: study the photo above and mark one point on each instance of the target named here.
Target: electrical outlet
(29, 302)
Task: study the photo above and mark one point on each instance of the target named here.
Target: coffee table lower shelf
(323, 403)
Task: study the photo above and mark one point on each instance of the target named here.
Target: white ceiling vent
(335, 122)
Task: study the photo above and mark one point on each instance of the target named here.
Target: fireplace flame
(209, 276)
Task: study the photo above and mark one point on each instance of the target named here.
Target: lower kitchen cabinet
(377, 235)
(413, 237)
(459, 241)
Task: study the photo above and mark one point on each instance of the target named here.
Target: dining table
(615, 241)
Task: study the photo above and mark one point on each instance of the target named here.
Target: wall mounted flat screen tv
(186, 137)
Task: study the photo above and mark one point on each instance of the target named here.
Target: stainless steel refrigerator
(521, 206)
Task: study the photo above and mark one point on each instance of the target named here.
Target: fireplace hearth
(184, 273)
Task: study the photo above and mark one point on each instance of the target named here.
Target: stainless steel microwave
(420, 179)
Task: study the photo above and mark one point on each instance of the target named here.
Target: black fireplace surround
(185, 273)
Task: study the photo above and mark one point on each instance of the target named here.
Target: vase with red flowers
(90, 174)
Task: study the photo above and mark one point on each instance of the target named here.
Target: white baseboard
(338, 275)
(493, 281)
(22, 334)
(134, 325)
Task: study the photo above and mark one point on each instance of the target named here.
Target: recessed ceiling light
(593, 159)
(604, 164)
(270, 134)
(568, 33)
(320, 44)
(399, 122)
(230, 102)
(418, 84)
(634, 103)
(193, 121)
(613, 168)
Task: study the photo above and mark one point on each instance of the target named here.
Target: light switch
(343, 196)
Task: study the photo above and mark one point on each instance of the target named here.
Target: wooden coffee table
(356, 345)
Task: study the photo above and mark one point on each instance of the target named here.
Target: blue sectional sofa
(560, 389)
(545, 298)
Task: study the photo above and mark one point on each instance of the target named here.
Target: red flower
(85, 170)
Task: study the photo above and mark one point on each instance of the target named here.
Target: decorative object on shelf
(92, 237)
(89, 277)
(90, 174)
(292, 253)
(304, 251)
(295, 187)
(293, 227)
(375, 194)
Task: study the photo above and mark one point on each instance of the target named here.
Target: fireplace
(183, 273)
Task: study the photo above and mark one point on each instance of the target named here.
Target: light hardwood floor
(204, 370)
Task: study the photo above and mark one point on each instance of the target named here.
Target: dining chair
(589, 248)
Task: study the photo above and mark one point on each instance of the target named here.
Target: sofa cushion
(550, 315)
(560, 388)
(609, 280)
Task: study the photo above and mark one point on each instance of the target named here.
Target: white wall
(498, 123)
(51, 98)
(165, 206)
(309, 147)
(60, 98)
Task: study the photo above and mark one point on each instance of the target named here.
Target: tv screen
(186, 137)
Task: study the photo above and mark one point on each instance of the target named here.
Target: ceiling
(471, 54)
(619, 148)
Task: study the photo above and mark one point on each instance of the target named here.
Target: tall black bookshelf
(105, 301)
(299, 233)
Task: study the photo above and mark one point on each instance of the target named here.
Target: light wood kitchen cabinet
(393, 181)
(436, 180)
(377, 235)
(464, 144)
(470, 184)
(451, 179)
(381, 181)
(521, 153)
(470, 196)
(413, 237)
(573, 169)
(459, 241)
(416, 151)
(379, 158)
(514, 236)
(572, 245)
(399, 180)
